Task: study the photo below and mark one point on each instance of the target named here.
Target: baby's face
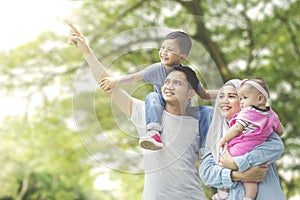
(248, 96)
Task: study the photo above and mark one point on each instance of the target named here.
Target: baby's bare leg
(250, 189)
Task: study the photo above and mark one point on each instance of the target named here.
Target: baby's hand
(222, 142)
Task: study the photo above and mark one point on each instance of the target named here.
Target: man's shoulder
(137, 102)
(138, 109)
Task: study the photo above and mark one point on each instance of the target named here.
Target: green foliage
(44, 157)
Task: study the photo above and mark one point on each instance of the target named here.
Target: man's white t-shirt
(171, 173)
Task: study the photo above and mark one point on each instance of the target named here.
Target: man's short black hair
(191, 76)
(183, 40)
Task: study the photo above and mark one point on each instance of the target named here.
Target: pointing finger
(76, 31)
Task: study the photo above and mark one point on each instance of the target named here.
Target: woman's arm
(255, 174)
(214, 175)
(219, 177)
(269, 151)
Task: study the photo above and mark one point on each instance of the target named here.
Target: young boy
(174, 50)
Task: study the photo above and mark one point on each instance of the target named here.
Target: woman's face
(228, 102)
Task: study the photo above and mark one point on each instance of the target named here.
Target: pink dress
(265, 125)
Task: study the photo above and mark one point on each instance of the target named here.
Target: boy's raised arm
(207, 94)
(108, 83)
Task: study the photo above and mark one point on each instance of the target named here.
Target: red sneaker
(152, 141)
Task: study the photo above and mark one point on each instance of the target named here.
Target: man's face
(176, 89)
(169, 53)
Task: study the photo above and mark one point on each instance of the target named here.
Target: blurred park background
(49, 135)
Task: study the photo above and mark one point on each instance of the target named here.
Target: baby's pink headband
(257, 86)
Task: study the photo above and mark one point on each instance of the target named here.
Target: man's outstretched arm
(120, 97)
(76, 39)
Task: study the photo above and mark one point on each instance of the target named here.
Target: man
(170, 173)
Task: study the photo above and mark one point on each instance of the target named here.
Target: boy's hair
(191, 76)
(183, 40)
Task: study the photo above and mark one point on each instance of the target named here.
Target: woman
(250, 166)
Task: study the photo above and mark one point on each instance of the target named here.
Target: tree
(239, 38)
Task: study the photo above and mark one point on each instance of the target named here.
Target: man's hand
(226, 160)
(77, 39)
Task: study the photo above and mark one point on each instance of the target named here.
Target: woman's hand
(254, 174)
(226, 159)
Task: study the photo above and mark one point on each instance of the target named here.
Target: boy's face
(169, 53)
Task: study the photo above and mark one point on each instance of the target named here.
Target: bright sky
(22, 21)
